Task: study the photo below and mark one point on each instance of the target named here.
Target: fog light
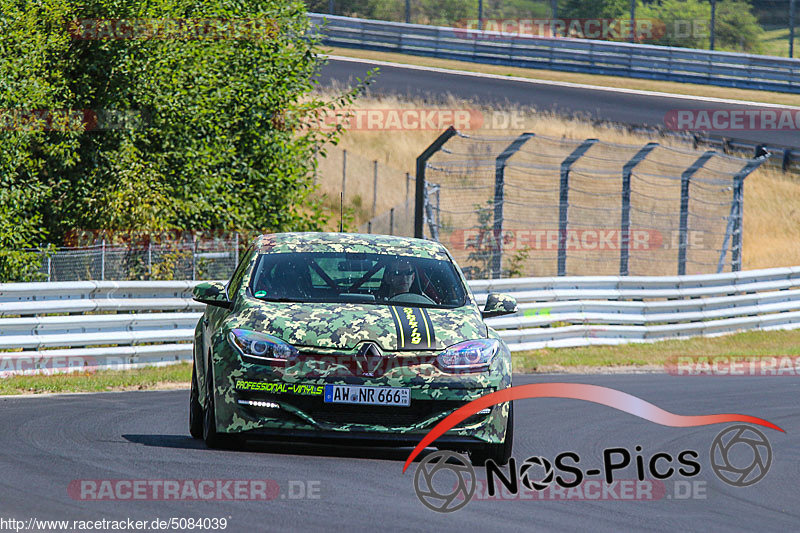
(257, 403)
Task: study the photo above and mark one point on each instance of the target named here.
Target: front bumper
(259, 400)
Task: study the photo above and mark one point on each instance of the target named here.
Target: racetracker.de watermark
(584, 240)
(192, 489)
(174, 29)
(20, 363)
(734, 365)
(767, 119)
(71, 120)
(606, 29)
(414, 119)
(143, 238)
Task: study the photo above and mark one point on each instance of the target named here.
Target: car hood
(344, 326)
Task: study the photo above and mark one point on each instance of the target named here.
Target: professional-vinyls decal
(414, 328)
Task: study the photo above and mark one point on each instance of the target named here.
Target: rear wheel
(499, 453)
(210, 435)
(195, 410)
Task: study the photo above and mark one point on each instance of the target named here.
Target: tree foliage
(194, 131)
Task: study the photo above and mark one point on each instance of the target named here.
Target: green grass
(104, 380)
(751, 343)
(776, 42)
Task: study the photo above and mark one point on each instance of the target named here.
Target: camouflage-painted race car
(345, 336)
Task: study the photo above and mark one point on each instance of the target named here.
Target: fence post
(422, 161)
(563, 203)
(49, 268)
(103, 260)
(149, 258)
(433, 221)
(625, 222)
(408, 178)
(738, 206)
(683, 236)
(391, 221)
(374, 187)
(369, 226)
(194, 257)
(499, 186)
(344, 170)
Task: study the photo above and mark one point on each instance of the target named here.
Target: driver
(398, 277)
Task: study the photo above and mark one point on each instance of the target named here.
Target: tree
(737, 28)
(194, 116)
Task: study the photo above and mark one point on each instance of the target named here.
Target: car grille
(379, 415)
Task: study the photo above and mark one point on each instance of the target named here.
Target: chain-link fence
(371, 188)
(154, 261)
(539, 206)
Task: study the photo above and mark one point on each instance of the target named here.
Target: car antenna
(341, 216)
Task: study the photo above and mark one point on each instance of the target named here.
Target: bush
(192, 133)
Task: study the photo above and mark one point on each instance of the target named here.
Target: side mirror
(212, 293)
(499, 305)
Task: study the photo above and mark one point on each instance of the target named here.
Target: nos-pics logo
(446, 481)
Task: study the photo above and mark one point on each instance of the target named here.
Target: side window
(238, 274)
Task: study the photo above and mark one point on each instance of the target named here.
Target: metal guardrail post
(625, 219)
(684, 216)
(422, 161)
(499, 184)
(563, 203)
(103, 261)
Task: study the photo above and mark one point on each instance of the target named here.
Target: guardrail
(574, 55)
(118, 324)
(581, 311)
(90, 325)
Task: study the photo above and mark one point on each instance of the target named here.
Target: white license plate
(360, 394)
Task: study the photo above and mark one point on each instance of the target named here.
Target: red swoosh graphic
(577, 391)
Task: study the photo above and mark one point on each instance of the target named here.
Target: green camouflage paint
(329, 337)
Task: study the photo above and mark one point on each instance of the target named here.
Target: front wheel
(195, 410)
(499, 453)
(210, 435)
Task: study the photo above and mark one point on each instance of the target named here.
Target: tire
(499, 453)
(213, 439)
(195, 410)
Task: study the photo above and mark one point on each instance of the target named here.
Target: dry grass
(572, 77)
(772, 199)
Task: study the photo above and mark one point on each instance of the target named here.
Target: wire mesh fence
(371, 188)
(154, 261)
(537, 206)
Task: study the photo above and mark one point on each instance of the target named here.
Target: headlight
(261, 346)
(469, 355)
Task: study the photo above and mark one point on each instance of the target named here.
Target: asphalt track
(608, 105)
(47, 442)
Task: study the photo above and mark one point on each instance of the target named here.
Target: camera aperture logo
(447, 466)
(446, 481)
(726, 464)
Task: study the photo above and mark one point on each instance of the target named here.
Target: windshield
(342, 277)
